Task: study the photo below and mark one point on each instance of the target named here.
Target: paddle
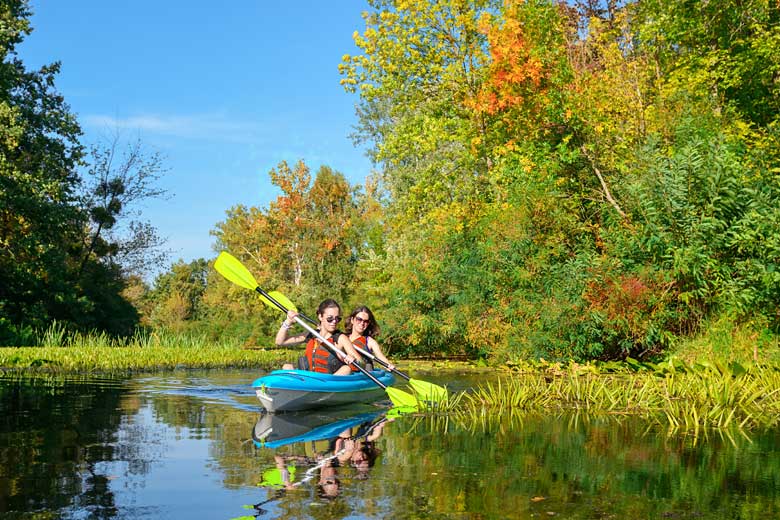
(234, 271)
(425, 390)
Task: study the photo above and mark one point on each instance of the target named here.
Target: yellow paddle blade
(398, 411)
(234, 271)
(284, 300)
(401, 398)
(428, 391)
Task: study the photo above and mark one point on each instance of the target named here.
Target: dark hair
(373, 327)
(327, 304)
(370, 452)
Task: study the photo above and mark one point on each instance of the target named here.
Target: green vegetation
(133, 358)
(571, 181)
(64, 353)
(683, 397)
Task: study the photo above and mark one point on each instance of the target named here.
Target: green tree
(422, 62)
(725, 51)
(61, 257)
(306, 244)
(595, 182)
(39, 153)
(177, 297)
(449, 90)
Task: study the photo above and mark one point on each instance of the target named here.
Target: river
(194, 444)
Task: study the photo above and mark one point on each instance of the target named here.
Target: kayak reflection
(317, 447)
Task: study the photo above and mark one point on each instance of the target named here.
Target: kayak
(289, 390)
(276, 430)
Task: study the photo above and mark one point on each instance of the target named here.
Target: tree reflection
(53, 435)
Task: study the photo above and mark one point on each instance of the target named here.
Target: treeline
(314, 241)
(560, 179)
(573, 179)
(70, 240)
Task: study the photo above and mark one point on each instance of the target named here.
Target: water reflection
(54, 433)
(92, 447)
(315, 447)
(580, 466)
(194, 445)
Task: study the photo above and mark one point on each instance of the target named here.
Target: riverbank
(682, 395)
(110, 360)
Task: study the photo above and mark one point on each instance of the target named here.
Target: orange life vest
(362, 342)
(320, 358)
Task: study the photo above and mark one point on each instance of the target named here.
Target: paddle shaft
(317, 335)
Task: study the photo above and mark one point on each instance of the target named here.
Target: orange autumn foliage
(514, 72)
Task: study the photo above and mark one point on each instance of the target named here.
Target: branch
(607, 193)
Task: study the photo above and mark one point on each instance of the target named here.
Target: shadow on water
(196, 445)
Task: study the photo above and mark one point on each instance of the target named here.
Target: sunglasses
(331, 319)
(361, 320)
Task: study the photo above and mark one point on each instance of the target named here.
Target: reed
(61, 351)
(97, 358)
(678, 395)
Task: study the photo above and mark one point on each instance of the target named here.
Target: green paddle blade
(428, 391)
(234, 271)
(401, 398)
(273, 477)
(284, 300)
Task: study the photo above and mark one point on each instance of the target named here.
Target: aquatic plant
(682, 396)
(113, 359)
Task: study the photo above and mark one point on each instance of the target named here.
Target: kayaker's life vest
(362, 342)
(320, 358)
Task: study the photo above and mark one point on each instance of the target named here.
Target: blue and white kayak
(288, 390)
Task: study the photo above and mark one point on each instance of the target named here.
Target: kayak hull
(291, 390)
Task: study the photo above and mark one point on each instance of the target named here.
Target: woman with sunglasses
(320, 358)
(362, 328)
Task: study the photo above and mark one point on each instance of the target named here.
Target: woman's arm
(377, 350)
(346, 346)
(282, 338)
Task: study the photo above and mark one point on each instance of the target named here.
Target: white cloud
(213, 127)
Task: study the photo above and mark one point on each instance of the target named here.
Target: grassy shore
(97, 359)
(60, 353)
(731, 391)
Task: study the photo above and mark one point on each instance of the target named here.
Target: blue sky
(224, 91)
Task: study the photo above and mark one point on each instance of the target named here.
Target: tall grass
(63, 352)
(56, 335)
(675, 394)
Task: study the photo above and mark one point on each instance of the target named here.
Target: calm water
(195, 445)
